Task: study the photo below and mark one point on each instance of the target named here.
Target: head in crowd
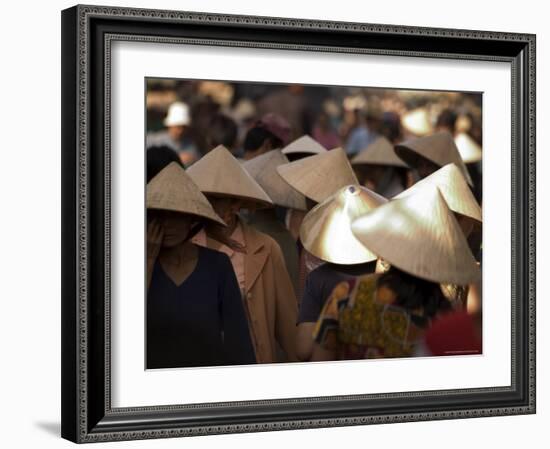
(175, 203)
(177, 120)
(159, 157)
(222, 130)
(446, 121)
(390, 127)
(423, 299)
(374, 116)
(427, 154)
(269, 133)
(227, 185)
(378, 168)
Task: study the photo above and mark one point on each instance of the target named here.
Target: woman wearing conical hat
(303, 147)
(429, 153)
(326, 234)
(461, 201)
(385, 315)
(457, 194)
(268, 293)
(378, 168)
(270, 221)
(195, 315)
(317, 178)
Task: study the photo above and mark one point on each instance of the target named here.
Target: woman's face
(175, 226)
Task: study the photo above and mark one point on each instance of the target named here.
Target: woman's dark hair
(447, 119)
(256, 136)
(159, 157)
(413, 293)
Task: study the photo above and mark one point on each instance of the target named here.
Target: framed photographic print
(276, 224)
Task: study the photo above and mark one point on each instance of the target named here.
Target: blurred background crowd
(222, 113)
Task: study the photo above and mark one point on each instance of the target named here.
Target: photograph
(310, 223)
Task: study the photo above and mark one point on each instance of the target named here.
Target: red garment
(453, 334)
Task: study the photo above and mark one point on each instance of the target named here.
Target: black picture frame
(87, 32)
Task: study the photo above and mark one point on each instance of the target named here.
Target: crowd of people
(275, 234)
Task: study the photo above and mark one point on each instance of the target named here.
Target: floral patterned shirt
(358, 325)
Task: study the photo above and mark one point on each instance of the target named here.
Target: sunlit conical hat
(173, 189)
(319, 176)
(438, 148)
(468, 148)
(380, 152)
(263, 169)
(417, 122)
(453, 187)
(304, 145)
(326, 229)
(219, 173)
(419, 235)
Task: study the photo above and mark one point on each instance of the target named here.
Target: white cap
(178, 115)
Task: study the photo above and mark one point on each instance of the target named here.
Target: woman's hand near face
(155, 235)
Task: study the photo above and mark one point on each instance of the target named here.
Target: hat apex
(326, 229)
(454, 189)
(438, 148)
(173, 189)
(319, 176)
(263, 169)
(219, 173)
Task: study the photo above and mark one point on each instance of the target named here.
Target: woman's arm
(155, 234)
(304, 341)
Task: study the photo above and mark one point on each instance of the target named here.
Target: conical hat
(219, 173)
(468, 148)
(326, 231)
(438, 148)
(319, 176)
(417, 122)
(380, 152)
(304, 144)
(453, 187)
(173, 189)
(419, 235)
(263, 169)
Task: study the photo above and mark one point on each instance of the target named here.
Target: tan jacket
(269, 296)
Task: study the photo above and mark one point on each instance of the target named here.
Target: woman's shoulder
(211, 256)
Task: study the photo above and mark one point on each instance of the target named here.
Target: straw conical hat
(417, 122)
(438, 148)
(305, 145)
(263, 169)
(219, 173)
(468, 148)
(453, 187)
(326, 229)
(319, 176)
(419, 235)
(380, 152)
(173, 189)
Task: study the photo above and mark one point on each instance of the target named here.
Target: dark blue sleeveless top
(201, 322)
